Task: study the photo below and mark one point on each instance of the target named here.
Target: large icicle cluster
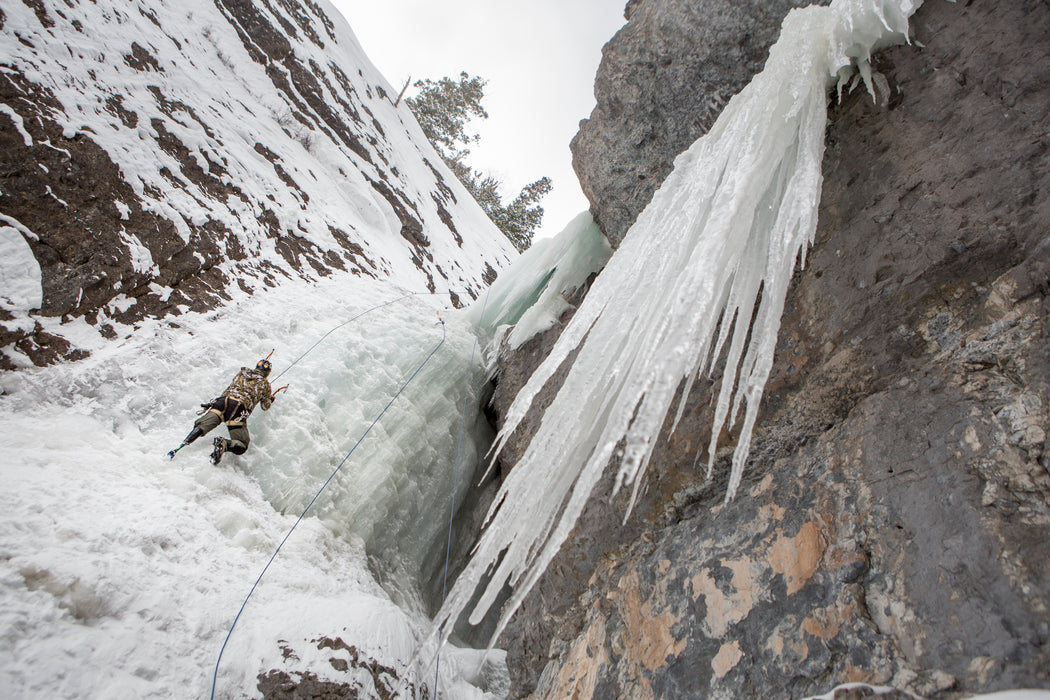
(710, 256)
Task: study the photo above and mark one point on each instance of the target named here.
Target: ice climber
(249, 388)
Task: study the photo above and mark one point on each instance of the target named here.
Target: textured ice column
(718, 242)
(530, 296)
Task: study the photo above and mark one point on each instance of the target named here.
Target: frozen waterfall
(707, 264)
(122, 571)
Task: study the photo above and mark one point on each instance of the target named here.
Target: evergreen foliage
(443, 108)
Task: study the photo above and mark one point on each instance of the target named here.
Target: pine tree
(443, 109)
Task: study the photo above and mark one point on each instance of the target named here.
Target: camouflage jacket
(250, 388)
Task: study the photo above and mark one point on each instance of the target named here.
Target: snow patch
(19, 123)
(122, 303)
(163, 292)
(15, 223)
(21, 289)
(141, 259)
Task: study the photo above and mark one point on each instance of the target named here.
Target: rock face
(892, 527)
(663, 81)
(158, 158)
(373, 679)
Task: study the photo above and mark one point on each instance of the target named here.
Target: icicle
(718, 243)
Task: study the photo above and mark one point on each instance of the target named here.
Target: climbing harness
(230, 411)
(339, 466)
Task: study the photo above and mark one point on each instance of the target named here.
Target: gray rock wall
(663, 81)
(893, 524)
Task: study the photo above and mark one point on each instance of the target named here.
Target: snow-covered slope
(184, 186)
(160, 157)
(121, 572)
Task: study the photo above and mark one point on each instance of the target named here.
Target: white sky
(539, 58)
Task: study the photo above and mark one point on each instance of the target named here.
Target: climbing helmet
(263, 367)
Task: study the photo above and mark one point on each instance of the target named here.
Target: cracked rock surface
(893, 525)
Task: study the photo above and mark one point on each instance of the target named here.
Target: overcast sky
(539, 58)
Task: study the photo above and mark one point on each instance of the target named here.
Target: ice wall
(711, 256)
(530, 296)
(395, 493)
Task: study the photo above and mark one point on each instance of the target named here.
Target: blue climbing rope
(215, 675)
(455, 480)
(333, 330)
